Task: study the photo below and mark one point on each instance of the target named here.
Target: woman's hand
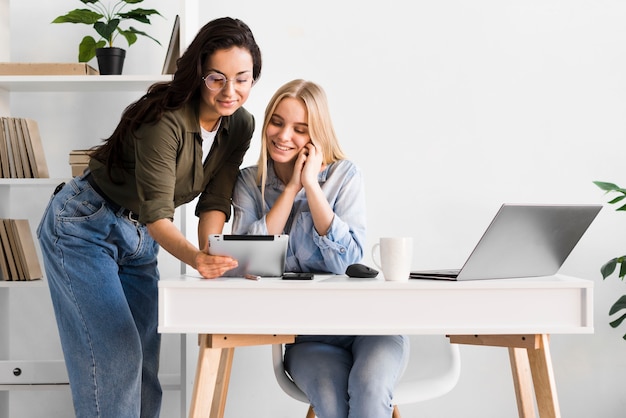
(313, 159)
(212, 266)
(295, 182)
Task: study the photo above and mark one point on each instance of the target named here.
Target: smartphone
(298, 276)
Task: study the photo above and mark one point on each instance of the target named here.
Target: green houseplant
(616, 263)
(105, 18)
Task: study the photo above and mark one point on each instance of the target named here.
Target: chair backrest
(433, 370)
(283, 379)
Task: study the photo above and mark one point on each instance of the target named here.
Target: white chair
(433, 370)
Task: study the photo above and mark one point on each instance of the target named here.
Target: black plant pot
(110, 60)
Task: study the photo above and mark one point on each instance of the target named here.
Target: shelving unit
(27, 198)
(79, 83)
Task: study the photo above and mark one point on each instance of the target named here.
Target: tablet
(259, 255)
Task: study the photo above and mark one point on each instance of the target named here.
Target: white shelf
(35, 387)
(23, 283)
(78, 83)
(16, 182)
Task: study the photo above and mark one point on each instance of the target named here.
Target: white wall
(450, 108)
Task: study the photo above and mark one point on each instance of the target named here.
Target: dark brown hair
(218, 34)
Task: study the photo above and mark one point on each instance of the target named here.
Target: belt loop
(58, 189)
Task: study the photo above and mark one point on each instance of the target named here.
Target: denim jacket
(342, 184)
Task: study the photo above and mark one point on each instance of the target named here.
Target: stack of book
(21, 150)
(18, 256)
(79, 160)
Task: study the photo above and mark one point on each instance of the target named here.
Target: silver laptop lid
(261, 255)
(528, 241)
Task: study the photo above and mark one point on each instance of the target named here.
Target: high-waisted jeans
(348, 376)
(102, 273)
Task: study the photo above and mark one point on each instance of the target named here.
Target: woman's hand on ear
(312, 165)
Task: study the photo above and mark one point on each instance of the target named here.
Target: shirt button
(342, 250)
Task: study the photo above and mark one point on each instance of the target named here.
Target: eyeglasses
(216, 82)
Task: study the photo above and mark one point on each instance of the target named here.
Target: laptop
(522, 241)
(259, 255)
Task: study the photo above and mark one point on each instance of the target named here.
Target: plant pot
(110, 60)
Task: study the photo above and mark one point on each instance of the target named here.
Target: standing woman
(101, 231)
(304, 187)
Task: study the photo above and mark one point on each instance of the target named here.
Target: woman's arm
(321, 211)
(174, 242)
(211, 222)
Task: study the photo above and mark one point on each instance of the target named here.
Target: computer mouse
(361, 270)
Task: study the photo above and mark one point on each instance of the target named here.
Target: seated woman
(304, 187)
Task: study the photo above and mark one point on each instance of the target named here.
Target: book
(173, 49)
(79, 161)
(30, 152)
(46, 68)
(21, 149)
(9, 151)
(21, 143)
(15, 148)
(15, 251)
(4, 265)
(41, 166)
(27, 253)
(8, 251)
(4, 152)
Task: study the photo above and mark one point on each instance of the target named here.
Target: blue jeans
(102, 273)
(348, 376)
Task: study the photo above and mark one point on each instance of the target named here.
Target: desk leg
(212, 377)
(543, 378)
(525, 352)
(522, 380)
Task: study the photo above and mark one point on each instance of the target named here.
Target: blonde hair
(320, 124)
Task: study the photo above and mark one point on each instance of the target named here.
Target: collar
(191, 115)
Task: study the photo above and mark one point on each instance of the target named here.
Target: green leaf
(132, 32)
(617, 199)
(107, 30)
(87, 48)
(618, 306)
(130, 36)
(85, 16)
(618, 321)
(140, 15)
(606, 186)
(608, 268)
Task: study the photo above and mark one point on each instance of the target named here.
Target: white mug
(396, 256)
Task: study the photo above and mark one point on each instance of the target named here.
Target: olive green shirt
(163, 165)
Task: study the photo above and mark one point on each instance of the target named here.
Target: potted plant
(612, 265)
(105, 19)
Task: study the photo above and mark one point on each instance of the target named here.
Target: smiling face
(235, 65)
(287, 131)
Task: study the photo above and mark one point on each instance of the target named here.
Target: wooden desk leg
(525, 351)
(522, 380)
(212, 377)
(543, 378)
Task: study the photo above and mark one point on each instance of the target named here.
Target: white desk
(515, 313)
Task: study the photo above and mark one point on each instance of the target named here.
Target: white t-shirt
(208, 137)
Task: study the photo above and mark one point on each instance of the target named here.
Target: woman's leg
(140, 287)
(379, 362)
(82, 242)
(320, 367)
